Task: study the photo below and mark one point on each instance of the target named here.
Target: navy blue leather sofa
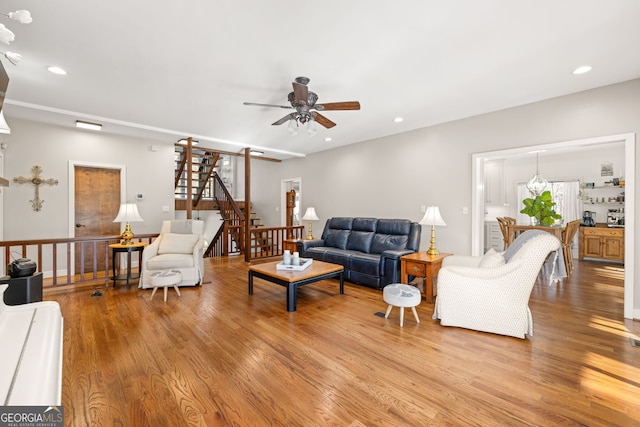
(368, 248)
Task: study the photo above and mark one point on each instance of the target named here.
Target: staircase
(203, 163)
(209, 192)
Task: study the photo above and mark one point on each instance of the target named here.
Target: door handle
(80, 225)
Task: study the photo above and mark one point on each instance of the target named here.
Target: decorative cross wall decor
(37, 181)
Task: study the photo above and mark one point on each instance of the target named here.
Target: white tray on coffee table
(304, 263)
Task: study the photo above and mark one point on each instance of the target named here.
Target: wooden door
(291, 205)
(97, 200)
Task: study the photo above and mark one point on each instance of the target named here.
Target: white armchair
(178, 247)
(491, 293)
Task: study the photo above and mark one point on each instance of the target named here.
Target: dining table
(513, 230)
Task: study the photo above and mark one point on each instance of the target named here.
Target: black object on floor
(379, 314)
(96, 294)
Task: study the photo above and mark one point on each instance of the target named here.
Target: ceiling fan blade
(324, 121)
(347, 105)
(301, 93)
(288, 107)
(283, 120)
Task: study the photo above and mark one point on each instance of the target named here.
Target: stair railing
(232, 234)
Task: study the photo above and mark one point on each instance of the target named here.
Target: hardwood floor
(219, 357)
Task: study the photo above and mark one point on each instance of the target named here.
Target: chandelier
(7, 36)
(537, 183)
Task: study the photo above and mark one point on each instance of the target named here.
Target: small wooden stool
(164, 279)
(402, 296)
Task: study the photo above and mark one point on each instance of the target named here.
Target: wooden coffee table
(293, 279)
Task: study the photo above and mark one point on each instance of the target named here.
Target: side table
(118, 248)
(420, 264)
(290, 244)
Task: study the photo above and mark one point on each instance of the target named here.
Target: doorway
(95, 194)
(477, 204)
(290, 209)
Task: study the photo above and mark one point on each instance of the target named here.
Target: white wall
(147, 172)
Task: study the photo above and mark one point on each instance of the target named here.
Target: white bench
(31, 355)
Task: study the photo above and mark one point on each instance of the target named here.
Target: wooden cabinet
(601, 242)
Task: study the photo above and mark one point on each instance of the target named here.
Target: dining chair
(567, 242)
(504, 223)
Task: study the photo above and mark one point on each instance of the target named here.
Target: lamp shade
(128, 213)
(310, 215)
(432, 217)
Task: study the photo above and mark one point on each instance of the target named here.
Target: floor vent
(635, 342)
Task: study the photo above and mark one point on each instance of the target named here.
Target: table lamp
(128, 213)
(310, 215)
(432, 217)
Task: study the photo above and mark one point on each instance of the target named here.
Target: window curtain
(564, 193)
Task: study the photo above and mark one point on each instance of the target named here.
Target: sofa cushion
(491, 259)
(394, 226)
(172, 243)
(168, 261)
(337, 256)
(364, 224)
(341, 223)
(336, 238)
(365, 263)
(383, 242)
(360, 241)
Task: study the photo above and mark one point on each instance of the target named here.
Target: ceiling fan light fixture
(13, 57)
(6, 35)
(293, 126)
(312, 128)
(22, 16)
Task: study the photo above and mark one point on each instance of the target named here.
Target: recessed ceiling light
(256, 152)
(398, 119)
(88, 125)
(328, 139)
(57, 70)
(582, 69)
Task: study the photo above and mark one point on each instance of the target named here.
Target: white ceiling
(169, 69)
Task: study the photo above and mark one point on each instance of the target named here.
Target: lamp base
(127, 236)
(432, 250)
(310, 233)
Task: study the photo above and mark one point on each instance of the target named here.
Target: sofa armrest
(392, 254)
(303, 245)
(150, 251)
(390, 265)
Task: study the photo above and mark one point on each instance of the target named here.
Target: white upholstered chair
(178, 247)
(491, 293)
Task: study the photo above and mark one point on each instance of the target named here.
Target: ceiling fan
(304, 102)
